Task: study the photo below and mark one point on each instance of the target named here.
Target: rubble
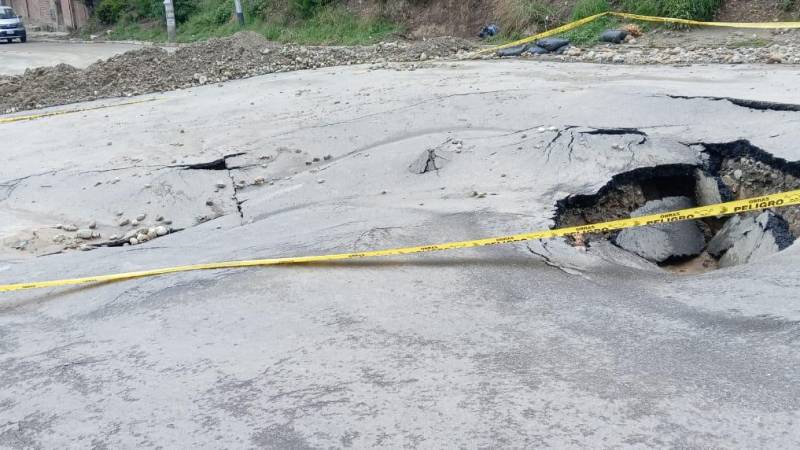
(663, 242)
(85, 234)
(744, 239)
(707, 191)
(242, 55)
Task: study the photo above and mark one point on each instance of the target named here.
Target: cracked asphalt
(525, 345)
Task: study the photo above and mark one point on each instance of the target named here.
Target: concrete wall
(58, 15)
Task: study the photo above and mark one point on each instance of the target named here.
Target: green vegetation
(681, 9)
(590, 33)
(523, 17)
(299, 21)
(330, 22)
(586, 8)
(520, 18)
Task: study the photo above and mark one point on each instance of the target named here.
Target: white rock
(84, 234)
(161, 230)
(70, 227)
(133, 241)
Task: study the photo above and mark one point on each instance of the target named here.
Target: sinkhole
(727, 171)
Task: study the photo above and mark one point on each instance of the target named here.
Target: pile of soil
(758, 11)
(242, 55)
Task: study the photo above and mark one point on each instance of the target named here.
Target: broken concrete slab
(707, 190)
(744, 239)
(663, 242)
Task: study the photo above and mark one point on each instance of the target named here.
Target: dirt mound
(155, 70)
(758, 11)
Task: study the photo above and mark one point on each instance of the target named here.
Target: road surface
(519, 346)
(16, 57)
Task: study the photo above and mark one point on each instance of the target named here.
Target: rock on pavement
(660, 243)
(750, 238)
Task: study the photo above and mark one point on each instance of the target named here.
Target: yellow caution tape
(780, 200)
(581, 22)
(562, 29)
(755, 25)
(69, 111)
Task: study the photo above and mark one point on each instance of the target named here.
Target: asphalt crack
(548, 150)
(618, 132)
(757, 105)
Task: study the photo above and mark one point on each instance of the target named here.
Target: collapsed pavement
(726, 172)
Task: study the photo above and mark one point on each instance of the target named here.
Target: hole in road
(729, 171)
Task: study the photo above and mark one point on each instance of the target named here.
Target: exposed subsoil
(738, 169)
(757, 11)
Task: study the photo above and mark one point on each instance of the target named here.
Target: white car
(11, 26)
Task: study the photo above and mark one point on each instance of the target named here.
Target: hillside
(365, 21)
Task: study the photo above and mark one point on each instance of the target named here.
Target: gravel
(242, 55)
(640, 55)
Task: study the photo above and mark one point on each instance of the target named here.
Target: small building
(51, 15)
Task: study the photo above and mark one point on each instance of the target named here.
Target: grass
(586, 8)
(681, 9)
(520, 18)
(331, 25)
(526, 11)
(589, 34)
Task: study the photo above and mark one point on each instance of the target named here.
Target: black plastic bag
(614, 36)
(552, 44)
(512, 51)
(536, 50)
(488, 31)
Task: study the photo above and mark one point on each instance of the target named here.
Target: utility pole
(239, 12)
(170, 13)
